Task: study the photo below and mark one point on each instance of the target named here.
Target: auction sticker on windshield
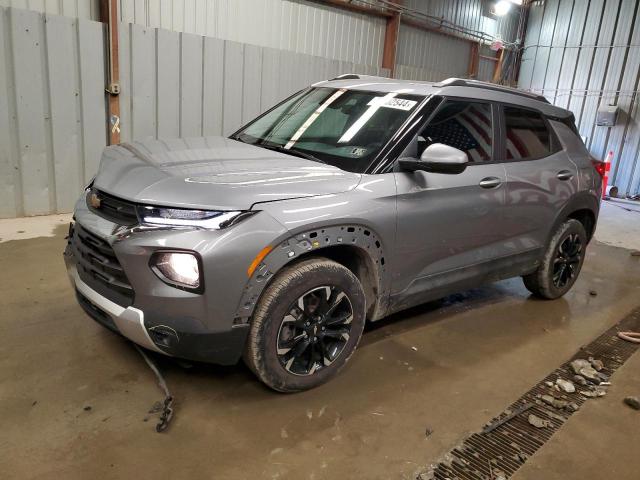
(399, 104)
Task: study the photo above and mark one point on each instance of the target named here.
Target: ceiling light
(502, 7)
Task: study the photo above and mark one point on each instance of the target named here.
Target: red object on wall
(607, 168)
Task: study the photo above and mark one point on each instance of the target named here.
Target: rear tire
(306, 325)
(561, 263)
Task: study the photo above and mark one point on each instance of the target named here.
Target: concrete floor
(476, 353)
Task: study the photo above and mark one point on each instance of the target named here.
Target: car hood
(214, 173)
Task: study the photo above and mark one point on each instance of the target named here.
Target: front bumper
(221, 347)
(127, 321)
(111, 275)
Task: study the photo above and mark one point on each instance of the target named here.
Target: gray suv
(353, 199)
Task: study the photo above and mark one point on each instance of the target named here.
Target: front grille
(99, 267)
(114, 209)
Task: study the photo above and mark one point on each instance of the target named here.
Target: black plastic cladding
(310, 241)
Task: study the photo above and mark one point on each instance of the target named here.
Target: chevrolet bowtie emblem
(94, 200)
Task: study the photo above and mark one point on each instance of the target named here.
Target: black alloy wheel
(315, 330)
(567, 259)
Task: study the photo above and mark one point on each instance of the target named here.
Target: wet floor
(447, 367)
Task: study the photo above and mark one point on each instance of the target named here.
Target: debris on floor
(509, 416)
(598, 392)
(593, 293)
(165, 408)
(633, 402)
(87, 408)
(579, 364)
(565, 385)
(596, 364)
(538, 422)
(580, 380)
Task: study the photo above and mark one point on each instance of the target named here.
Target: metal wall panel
(486, 68)
(299, 26)
(296, 25)
(585, 56)
(52, 110)
(181, 84)
(85, 9)
(52, 100)
(469, 14)
(431, 56)
(428, 55)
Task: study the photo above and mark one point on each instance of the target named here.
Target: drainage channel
(509, 439)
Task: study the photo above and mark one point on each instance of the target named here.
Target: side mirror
(437, 158)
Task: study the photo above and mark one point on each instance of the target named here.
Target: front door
(450, 226)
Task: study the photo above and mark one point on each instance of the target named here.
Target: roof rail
(461, 82)
(346, 76)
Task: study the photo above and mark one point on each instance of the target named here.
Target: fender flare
(580, 201)
(315, 240)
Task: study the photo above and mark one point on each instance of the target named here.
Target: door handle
(564, 175)
(490, 182)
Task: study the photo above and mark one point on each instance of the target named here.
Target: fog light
(180, 269)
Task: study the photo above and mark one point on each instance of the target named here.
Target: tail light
(600, 167)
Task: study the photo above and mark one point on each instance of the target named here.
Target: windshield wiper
(290, 151)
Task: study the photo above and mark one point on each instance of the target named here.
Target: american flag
(469, 131)
(523, 143)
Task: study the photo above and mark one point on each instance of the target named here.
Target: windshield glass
(345, 128)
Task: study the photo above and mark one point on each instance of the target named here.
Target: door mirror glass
(438, 158)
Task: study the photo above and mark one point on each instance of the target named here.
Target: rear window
(528, 136)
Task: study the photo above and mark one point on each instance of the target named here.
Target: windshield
(345, 128)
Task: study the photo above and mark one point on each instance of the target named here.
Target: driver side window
(464, 125)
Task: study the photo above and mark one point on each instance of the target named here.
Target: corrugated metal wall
(52, 110)
(301, 27)
(430, 56)
(181, 84)
(52, 100)
(85, 9)
(424, 55)
(469, 14)
(584, 54)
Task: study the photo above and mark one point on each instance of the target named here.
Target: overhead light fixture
(501, 8)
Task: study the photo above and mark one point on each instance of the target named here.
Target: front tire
(306, 325)
(561, 263)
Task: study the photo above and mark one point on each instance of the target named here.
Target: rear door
(540, 179)
(450, 225)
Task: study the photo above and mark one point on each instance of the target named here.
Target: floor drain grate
(502, 450)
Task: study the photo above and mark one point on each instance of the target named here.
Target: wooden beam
(109, 15)
(391, 33)
(497, 71)
(474, 60)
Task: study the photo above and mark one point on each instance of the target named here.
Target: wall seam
(13, 109)
(48, 119)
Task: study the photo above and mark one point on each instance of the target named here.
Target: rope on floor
(167, 404)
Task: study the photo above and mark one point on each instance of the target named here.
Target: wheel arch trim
(581, 201)
(320, 241)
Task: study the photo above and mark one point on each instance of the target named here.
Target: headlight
(179, 269)
(180, 217)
